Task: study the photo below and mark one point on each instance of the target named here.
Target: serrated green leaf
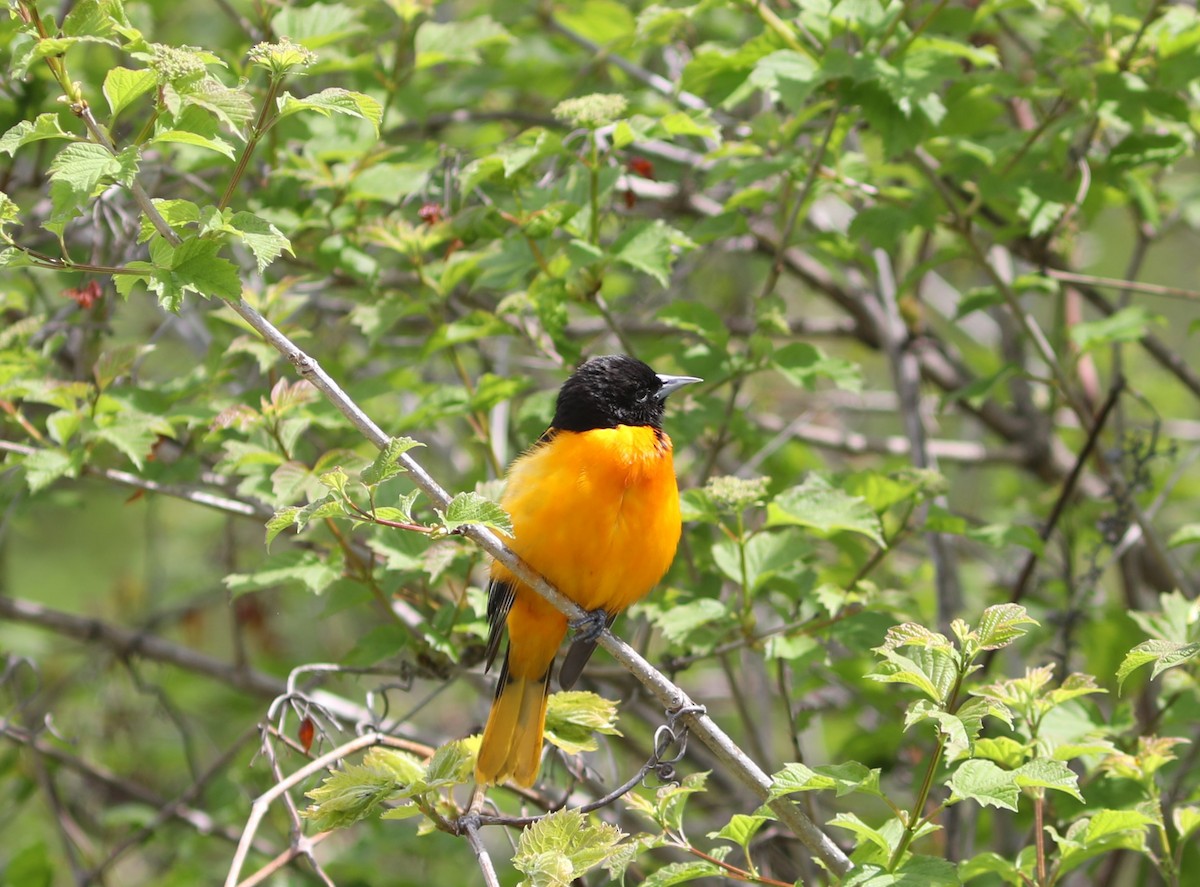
(817, 504)
(45, 466)
(792, 75)
(650, 247)
(803, 364)
(280, 521)
(123, 86)
(80, 169)
(931, 670)
(986, 784)
(846, 778)
(472, 508)
(740, 829)
(387, 464)
(562, 846)
(1164, 655)
(574, 717)
(195, 266)
(44, 126)
(333, 101)
(1043, 773)
(349, 795)
(1002, 624)
(450, 765)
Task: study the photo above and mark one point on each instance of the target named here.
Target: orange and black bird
(595, 509)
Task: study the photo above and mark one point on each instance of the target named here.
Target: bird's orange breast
(597, 513)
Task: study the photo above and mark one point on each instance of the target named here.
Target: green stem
(594, 191)
(261, 125)
(914, 816)
(1039, 837)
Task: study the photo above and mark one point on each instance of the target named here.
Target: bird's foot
(590, 626)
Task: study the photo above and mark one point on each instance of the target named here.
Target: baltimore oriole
(595, 509)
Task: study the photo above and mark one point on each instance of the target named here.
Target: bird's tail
(512, 741)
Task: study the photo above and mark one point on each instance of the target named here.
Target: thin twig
(126, 642)
(263, 802)
(241, 507)
(471, 829)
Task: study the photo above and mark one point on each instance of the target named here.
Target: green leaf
(574, 717)
(232, 106)
(562, 846)
(123, 86)
(681, 873)
(697, 318)
(847, 778)
(1006, 752)
(320, 24)
(817, 504)
(1043, 773)
(1186, 819)
(766, 555)
(803, 364)
(932, 670)
(304, 567)
(650, 247)
(472, 508)
(194, 266)
(183, 137)
(789, 74)
(334, 101)
(134, 434)
(679, 621)
(450, 765)
(460, 42)
(280, 521)
(45, 466)
(701, 125)
(1188, 534)
(262, 238)
(1164, 655)
(349, 795)
(81, 169)
(741, 829)
(986, 784)
(1002, 624)
(862, 831)
(44, 126)
(1127, 325)
(914, 871)
(387, 463)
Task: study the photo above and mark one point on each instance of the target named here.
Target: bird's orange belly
(597, 513)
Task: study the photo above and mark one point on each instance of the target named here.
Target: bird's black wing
(501, 595)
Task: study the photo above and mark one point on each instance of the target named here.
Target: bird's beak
(673, 383)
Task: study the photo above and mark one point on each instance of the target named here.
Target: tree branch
(126, 642)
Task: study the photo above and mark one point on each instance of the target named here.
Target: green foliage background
(895, 239)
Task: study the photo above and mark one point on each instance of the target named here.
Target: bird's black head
(605, 392)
